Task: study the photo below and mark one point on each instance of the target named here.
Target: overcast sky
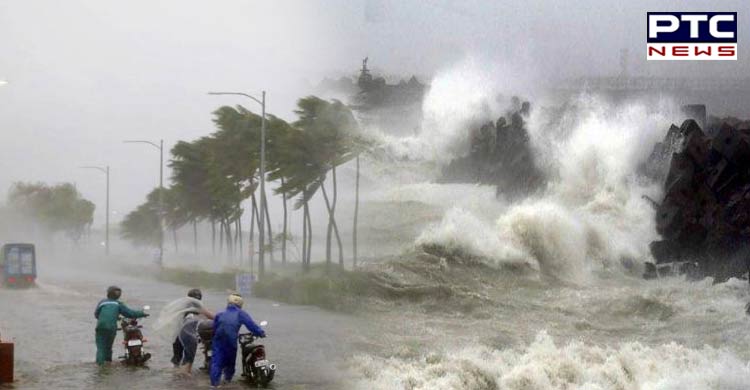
(86, 74)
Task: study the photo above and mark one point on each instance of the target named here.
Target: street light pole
(263, 205)
(161, 202)
(106, 226)
(106, 236)
(159, 146)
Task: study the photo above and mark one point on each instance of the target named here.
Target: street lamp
(159, 146)
(261, 235)
(3, 82)
(105, 170)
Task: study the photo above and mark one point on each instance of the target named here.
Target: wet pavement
(53, 330)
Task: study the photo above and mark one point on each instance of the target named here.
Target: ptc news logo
(691, 36)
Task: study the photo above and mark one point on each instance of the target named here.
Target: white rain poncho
(173, 314)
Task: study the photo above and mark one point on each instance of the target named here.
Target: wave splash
(545, 365)
(592, 213)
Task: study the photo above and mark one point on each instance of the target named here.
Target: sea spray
(547, 365)
(459, 96)
(461, 230)
(550, 235)
(592, 213)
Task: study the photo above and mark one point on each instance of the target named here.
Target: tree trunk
(329, 229)
(238, 240)
(257, 223)
(174, 238)
(333, 212)
(261, 265)
(307, 245)
(213, 237)
(283, 241)
(332, 226)
(356, 215)
(304, 236)
(270, 234)
(228, 228)
(309, 239)
(253, 215)
(221, 236)
(195, 236)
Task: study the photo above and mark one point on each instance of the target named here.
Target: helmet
(235, 299)
(114, 292)
(195, 293)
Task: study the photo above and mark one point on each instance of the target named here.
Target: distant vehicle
(18, 265)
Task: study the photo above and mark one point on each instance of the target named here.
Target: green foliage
(190, 179)
(330, 288)
(58, 208)
(141, 226)
(192, 278)
(213, 175)
(326, 135)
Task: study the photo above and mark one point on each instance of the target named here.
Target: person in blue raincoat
(226, 330)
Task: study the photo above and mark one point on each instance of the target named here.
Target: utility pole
(104, 170)
(263, 205)
(159, 146)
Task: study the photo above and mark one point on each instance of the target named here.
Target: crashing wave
(591, 216)
(544, 365)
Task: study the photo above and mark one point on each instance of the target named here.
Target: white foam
(592, 214)
(464, 93)
(544, 365)
(461, 230)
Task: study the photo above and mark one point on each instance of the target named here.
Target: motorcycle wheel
(261, 378)
(134, 355)
(265, 379)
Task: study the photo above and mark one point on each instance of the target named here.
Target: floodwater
(53, 330)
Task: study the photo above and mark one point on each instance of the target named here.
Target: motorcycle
(255, 367)
(133, 341)
(205, 336)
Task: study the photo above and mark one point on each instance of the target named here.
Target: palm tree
(236, 162)
(213, 175)
(276, 140)
(356, 215)
(142, 226)
(333, 126)
(176, 215)
(189, 179)
(294, 160)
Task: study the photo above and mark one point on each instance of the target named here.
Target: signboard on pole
(244, 283)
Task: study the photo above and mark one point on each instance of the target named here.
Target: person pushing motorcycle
(107, 313)
(226, 329)
(186, 343)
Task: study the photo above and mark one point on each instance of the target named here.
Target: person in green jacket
(107, 313)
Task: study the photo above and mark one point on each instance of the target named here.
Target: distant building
(722, 96)
(393, 108)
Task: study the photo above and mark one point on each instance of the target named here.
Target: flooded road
(53, 330)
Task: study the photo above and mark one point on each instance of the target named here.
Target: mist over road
(53, 330)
